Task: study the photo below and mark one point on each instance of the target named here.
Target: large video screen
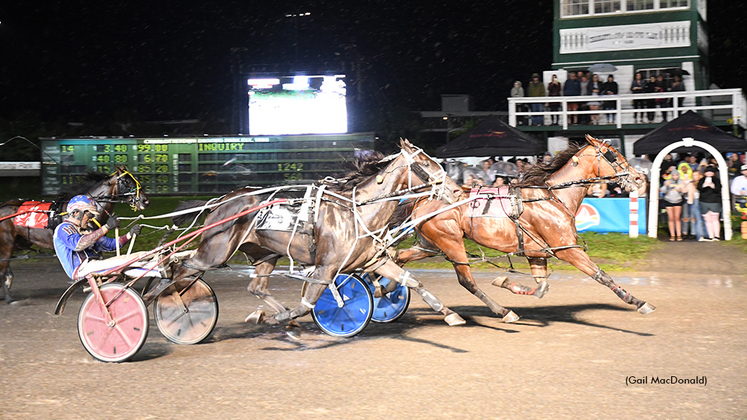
(298, 104)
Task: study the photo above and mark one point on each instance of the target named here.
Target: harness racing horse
(121, 186)
(551, 196)
(344, 231)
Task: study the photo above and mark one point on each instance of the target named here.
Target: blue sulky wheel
(391, 306)
(355, 313)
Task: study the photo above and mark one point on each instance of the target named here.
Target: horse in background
(344, 231)
(106, 190)
(550, 196)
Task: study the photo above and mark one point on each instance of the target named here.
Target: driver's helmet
(82, 203)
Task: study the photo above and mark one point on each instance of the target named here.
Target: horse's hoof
(541, 290)
(293, 331)
(510, 317)
(499, 281)
(255, 317)
(646, 308)
(454, 319)
(378, 292)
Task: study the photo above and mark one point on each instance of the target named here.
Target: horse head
(429, 171)
(123, 184)
(613, 165)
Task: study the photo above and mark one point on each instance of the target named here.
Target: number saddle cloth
(39, 214)
(495, 202)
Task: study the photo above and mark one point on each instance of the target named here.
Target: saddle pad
(36, 216)
(277, 217)
(498, 206)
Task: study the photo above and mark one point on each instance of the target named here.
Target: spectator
(518, 92)
(553, 89)
(638, 87)
(666, 166)
(693, 208)
(739, 190)
(584, 118)
(672, 193)
(692, 161)
(739, 184)
(572, 87)
(499, 182)
(650, 87)
(733, 163)
(536, 90)
(594, 88)
(487, 167)
(662, 86)
(710, 202)
(610, 88)
(678, 86)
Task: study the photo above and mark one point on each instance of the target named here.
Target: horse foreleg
(581, 260)
(258, 285)
(393, 271)
(539, 272)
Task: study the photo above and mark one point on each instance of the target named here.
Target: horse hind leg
(6, 276)
(393, 271)
(539, 272)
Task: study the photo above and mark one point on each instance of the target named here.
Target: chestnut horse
(344, 230)
(551, 196)
(121, 186)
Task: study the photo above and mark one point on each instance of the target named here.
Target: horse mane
(90, 181)
(537, 174)
(358, 171)
(402, 212)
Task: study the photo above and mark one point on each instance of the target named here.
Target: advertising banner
(608, 215)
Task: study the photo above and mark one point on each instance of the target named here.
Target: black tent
(689, 124)
(491, 137)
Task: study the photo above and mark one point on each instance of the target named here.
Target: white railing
(719, 105)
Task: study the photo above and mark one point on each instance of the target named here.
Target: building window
(575, 7)
(667, 4)
(606, 6)
(640, 5)
(579, 8)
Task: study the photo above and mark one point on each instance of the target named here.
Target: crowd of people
(691, 194)
(583, 83)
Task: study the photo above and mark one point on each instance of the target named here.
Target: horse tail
(186, 218)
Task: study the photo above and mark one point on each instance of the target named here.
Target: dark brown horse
(121, 186)
(334, 227)
(551, 196)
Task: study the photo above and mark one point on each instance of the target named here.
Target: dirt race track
(571, 356)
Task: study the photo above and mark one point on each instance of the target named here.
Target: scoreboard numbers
(207, 165)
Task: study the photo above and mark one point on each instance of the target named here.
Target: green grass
(612, 252)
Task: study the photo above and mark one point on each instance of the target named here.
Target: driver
(80, 253)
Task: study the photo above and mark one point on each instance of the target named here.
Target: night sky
(76, 60)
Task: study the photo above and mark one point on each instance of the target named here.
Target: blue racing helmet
(82, 203)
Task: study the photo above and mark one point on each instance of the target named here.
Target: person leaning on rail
(79, 252)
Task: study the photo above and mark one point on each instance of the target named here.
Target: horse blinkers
(420, 172)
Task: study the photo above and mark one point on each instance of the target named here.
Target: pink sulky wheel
(186, 312)
(120, 340)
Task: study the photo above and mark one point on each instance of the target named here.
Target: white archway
(653, 209)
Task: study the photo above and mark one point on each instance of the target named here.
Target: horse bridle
(622, 175)
(132, 197)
